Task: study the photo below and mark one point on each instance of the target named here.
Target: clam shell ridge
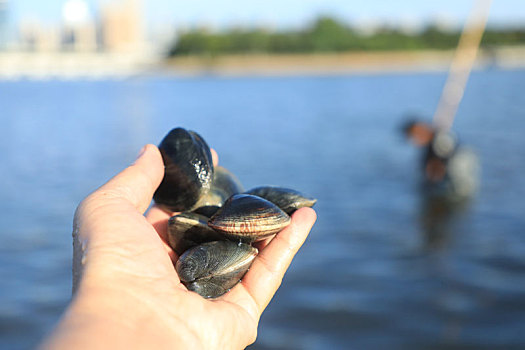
(213, 268)
(249, 218)
(285, 198)
(188, 173)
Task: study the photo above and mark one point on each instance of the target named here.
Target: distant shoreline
(68, 66)
(338, 63)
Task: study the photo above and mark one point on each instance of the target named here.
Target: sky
(285, 13)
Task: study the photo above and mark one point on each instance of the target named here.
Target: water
(371, 275)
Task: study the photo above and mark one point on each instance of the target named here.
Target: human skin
(126, 292)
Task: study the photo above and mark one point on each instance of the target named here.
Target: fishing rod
(461, 66)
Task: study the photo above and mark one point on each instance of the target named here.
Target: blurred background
(304, 94)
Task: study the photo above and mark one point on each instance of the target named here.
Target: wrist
(106, 318)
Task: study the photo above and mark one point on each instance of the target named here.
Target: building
(122, 26)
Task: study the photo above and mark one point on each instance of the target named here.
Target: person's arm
(126, 291)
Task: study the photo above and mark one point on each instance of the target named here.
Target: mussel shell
(188, 170)
(287, 199)
(213, 268)
(249, 218)
(188, 229)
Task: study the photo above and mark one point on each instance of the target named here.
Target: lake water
(372, 274)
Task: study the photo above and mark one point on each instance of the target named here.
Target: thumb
(137, 183)
(117, 207)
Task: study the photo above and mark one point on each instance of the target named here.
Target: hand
(126, 291)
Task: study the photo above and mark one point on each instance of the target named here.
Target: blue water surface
(373, 273)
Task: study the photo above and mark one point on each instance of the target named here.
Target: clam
(248, 218)
(211, 269)
(225, 184)
(287, 199)
(188, 229)
(188, 170)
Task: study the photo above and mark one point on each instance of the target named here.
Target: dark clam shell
(188, 229)
(224, 185)
(207, 210)
(188, 170)
(249, 218)
(287, 199)
(213, 268)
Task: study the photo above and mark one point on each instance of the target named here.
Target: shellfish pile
(218, 220)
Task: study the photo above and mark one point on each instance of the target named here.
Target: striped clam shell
(249, 218)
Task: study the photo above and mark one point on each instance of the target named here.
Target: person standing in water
(450, 177)
(448, 169)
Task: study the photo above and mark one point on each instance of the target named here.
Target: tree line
(327, 34)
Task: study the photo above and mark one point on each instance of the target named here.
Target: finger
(215, 157)
(268, 269)
(260, 245)
(137, 183)
(130, 191)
